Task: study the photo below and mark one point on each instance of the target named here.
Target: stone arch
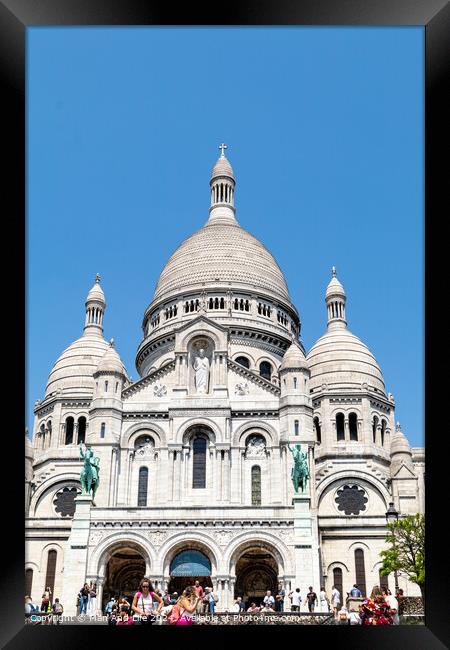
(106, 548)
(354, 545)
(246, 540)
(183, 434)
(179, 542)
(50, 483)
(352, 475)
(346, 409)
(244, 353)
(132, 433)
(337, 565)
(51, 546)
(269, 432)
(202, 332)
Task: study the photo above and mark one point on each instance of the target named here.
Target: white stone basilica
(195, 456)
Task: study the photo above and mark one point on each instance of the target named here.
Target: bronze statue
(89, 475)
(299, 472)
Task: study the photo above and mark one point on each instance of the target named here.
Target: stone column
(170, 475)
(99, 582)
(75, 555)
(307, 570)
(226, 475)
(242, 482)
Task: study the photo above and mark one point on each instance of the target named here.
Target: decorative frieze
(254, 414)
(153, 415)
(148, 379)
(345, 400)
(76, 403)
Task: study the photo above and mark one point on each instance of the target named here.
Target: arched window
(222, 303)
(102, 430)
(243, 361)
(256, 485)
(69, 430)
(340, 431)
(337, 580)
(295, 382)
(199, 462)
(383, 431)
(374, 428)
(383, 581)
(317, 429)
(81, 430)
(51, 570)
(28, 581)
(142, 486)
(265, 370)
(360, 570)
(296, 427)
(353, 426)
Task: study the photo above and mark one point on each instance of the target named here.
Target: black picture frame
(434, 15)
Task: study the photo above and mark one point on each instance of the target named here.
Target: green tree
(406, 552)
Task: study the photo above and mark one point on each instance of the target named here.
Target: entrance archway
(256, 572)
(188, 566)
(124, 571)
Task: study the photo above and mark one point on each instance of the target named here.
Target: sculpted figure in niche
(201, 367)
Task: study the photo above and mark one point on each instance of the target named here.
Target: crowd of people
(50, 609)
(149, 605)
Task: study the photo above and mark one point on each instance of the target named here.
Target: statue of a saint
(300, 471)
(201, 367)
(89, 475)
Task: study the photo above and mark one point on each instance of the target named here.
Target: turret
(295, 402)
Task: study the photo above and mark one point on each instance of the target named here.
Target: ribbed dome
(222, 168)
(341, 360)
(399, 443)
(96, 293)
(334, 288)
(221, 253)
(74, 369)
(111, 362)
(294, 358)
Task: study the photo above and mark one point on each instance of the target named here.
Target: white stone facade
(221, 292)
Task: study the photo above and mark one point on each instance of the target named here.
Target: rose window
(64, 501)
(351, 499)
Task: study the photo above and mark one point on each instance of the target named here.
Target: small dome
(342, 361)
(293, 358)
(334, 287)
(222, 168)
(399, 443)
(111, 362)
(96, 293)
(73, 371)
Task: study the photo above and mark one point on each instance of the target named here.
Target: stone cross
(222, 146)
(97, 278)
(333, 271)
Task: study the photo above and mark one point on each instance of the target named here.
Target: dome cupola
(339, 360)
(294, 358)
(111, 361)
(95, 309)
(222, 185)
(73, 371)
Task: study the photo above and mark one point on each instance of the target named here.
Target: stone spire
(95, 308)
(222, 185)
(335, 299)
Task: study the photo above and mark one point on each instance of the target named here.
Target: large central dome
(221, 253)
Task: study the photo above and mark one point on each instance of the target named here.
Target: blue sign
(190, 563)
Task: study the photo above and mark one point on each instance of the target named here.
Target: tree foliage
(406, 552)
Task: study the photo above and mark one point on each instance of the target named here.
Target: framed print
(228, 221)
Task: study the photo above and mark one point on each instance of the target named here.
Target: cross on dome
(398, 426)
(333, 271)
(97, 278)
(222, 147)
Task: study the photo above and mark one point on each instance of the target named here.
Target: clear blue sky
(325, 135)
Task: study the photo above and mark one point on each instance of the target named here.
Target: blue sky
(324, 128)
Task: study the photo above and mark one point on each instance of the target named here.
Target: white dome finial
(97, 278)
(398, 428)
(333, 271)
(335, 299)
(222, 185)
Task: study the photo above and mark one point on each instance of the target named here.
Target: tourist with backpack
(142, 604)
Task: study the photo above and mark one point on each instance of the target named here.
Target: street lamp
(391, 516)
